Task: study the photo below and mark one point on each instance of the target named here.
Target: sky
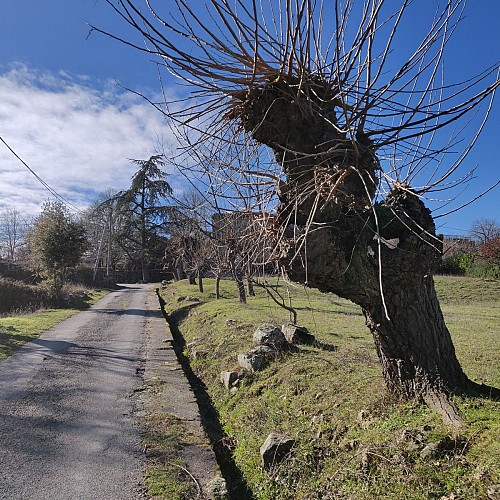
(65, 110)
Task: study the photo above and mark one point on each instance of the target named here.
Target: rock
(228, 378)
(275, 448)
(256, 359)
(216, 489)
(430, 451)
(198, 354)
(447, 446)
(298, 335)
(192, 299)
(271, 336)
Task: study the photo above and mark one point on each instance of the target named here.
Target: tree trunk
(191, 279)
(217, 287)
(200, 282)
(335, 238)
(414, 345)
(251, 291)
(238, 278)
(383, 261)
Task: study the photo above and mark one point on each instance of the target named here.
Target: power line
(61, 198)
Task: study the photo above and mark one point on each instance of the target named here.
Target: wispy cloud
(76, 137)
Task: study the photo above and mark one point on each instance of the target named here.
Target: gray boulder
(275, 448)
(256, 358)
(271, 336)
(228, 378)
(298, 335)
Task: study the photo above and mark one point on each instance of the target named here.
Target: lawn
(18, 329)
(353, 440)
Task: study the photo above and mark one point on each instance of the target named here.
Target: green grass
(316, 396)
(18, 329)
(165, 476)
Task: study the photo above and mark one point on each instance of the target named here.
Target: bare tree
(357, 133)
(13, 231)
(484, 230)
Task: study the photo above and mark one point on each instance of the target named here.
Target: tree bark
(414, 345)
(251, 291)
(200, 282)
(217, 287)
(238, 278)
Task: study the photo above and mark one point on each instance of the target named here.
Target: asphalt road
(67, 428)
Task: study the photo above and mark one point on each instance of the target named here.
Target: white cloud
(77, 138)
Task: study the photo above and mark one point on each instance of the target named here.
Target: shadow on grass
(11, 342)
(237, 486)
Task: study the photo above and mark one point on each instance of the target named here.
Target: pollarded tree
(57, 243)
(359, 124)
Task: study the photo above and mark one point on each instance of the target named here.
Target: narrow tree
(57, 243)
(358, 131)
(143, 211)
(13, 230)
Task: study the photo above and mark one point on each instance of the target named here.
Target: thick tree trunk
(200, 282)
(251, 291)
(413, 343)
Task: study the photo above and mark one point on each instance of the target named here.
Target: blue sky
(63, 111)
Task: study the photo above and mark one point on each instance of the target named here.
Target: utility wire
(61, 198)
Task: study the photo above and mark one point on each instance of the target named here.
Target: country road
(67, 428)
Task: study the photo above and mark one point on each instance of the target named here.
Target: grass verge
(166, 474)
(353, 439)
(18, 329)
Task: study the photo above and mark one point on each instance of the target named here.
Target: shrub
(469, 264)
(19, 296)
(456, 264)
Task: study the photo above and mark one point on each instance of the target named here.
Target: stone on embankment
(256, 358)
(271, 336)
(228, 378)
(275, 448)
(298, 335)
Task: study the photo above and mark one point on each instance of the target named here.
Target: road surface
(67, 429)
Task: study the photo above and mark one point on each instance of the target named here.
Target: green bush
(469, 264)
(456, 264)
(483, 269)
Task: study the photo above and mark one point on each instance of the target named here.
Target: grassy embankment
(17, 329)
(353, 439)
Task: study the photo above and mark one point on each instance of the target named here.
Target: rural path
(67, 427)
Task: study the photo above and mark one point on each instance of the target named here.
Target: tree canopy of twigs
(349, 54)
